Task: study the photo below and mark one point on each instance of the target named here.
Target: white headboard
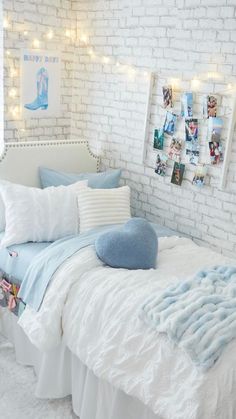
(20, 161)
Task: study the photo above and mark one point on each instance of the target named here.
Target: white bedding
(97, 309)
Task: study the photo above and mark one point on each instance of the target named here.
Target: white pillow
(2, 207)
(37, 215)
(99, 207)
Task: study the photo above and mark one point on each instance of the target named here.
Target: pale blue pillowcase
(103, 180)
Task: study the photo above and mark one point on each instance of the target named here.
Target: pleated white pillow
(37, 215)
(98, 207)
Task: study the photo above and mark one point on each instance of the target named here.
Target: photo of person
(175, 149)
(177, 174)
(187, 105)
(210, 106)
(167, 96)
(161, 164)
(215, 126)
(191, 129)
(158, 139)
(199, 176)
(192, 152)
(170, 123)
(216, 154)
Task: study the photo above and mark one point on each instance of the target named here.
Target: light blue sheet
(15, 260)
(45, 264)
(198, 314)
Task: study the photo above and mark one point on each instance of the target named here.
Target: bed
(87, 339)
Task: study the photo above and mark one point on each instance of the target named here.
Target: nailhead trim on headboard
(48, 143)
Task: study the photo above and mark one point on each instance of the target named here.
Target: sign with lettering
(40, 83)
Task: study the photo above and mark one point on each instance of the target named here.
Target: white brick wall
(182, 39)
(105, 104)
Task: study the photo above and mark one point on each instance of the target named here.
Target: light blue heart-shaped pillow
(133, 246)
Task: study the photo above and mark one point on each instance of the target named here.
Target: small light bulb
(13, 72)
(117, 64)
(36, 43)
(5, 23)
(50, 34)
(195, 83)
(145, 74)
(68, 33)
(84, 39)
(8, 52)
(15, 111)
(12, 92)
(106, 60)
(25, 33)
(90, 51)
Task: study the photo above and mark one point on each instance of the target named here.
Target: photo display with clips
(183, 147)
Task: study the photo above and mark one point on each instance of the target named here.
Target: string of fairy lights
(81, 39)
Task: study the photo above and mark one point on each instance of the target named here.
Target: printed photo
(170, 123)
(175, 149)
(192, 152)
(167, 96)
(158, 139)
(187, 105)
(191, 129)
(215, 126)
(161, 164)
(177, 174)
(216, 154)
(209, 106)
(199, 176)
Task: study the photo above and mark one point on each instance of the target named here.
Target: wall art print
(40, 83)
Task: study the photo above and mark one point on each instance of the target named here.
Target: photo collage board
(183, 147)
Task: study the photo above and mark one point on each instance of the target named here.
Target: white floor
(17, 400)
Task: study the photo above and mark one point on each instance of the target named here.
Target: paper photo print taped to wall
(216, 152)
(161, 164)
(177, 174)
(215, 126)
(158, 139)
(187, 104)
(167, 96)
(199, 175)
(209, 106)
(191, 129)
(175, 149)
(192, 153)
(170, 123)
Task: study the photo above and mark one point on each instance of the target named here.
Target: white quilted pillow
(37, 215)
(99, 207)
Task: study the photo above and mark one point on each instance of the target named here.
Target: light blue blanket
(198, 314)
(45, 264)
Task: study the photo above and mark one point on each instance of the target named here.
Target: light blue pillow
(133, 246)
(103, 180)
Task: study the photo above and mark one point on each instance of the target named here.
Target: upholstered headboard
(20, 161)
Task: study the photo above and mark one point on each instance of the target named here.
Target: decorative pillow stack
(34, 215)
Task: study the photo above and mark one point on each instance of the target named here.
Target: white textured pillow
(37, 215)
(2, 207)
(99, 207)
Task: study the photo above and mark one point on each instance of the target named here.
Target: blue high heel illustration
(41, 101)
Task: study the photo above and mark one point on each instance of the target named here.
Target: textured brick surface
(105, 102)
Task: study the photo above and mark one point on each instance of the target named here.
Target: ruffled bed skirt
(60, 373)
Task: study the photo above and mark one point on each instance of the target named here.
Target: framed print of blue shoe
(40, 83)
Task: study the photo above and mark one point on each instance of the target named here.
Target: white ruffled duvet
(94, 309)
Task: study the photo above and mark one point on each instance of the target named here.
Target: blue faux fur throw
(199, 314)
